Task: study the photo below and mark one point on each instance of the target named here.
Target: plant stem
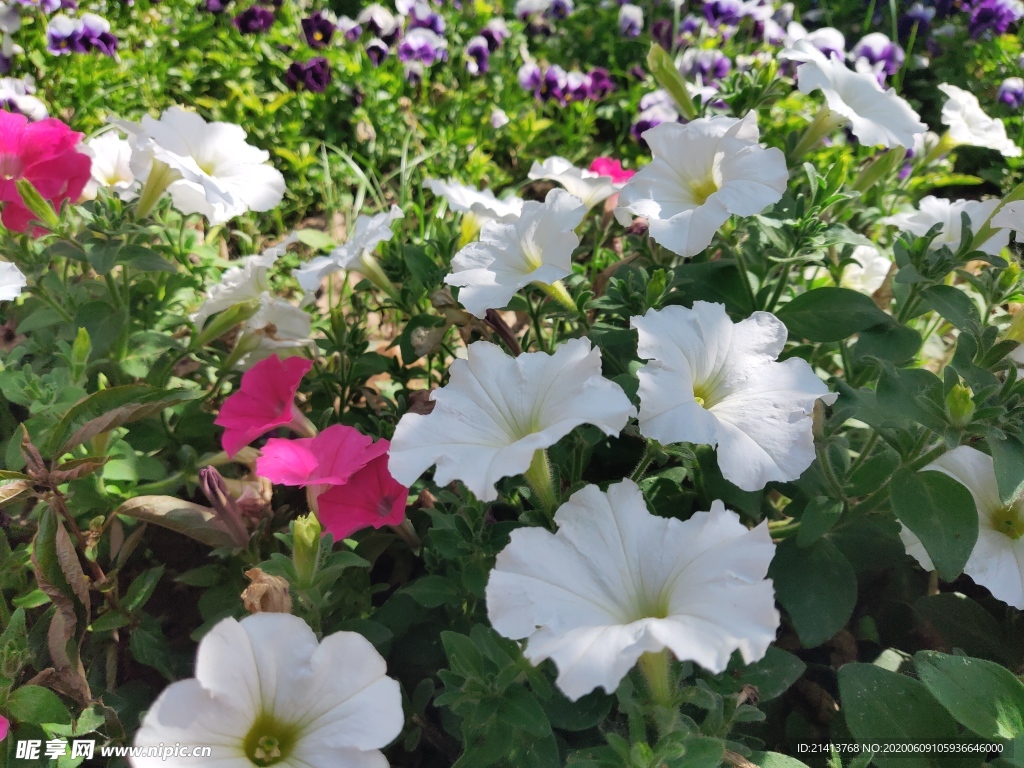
(541, 482)
(656, 670)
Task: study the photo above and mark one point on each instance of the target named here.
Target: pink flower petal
(371, 497)
(265, 400)
(330, 458)
(609, 166)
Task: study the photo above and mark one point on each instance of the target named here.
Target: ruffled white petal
(12, 281)
(496, 411)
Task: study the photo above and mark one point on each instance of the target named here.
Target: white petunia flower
(937, 210)
(111, 166)
(266, 692)
(877, 117)
(969, 125)
(702, 173)
(479, 205)
(12, 281)
(592, 188)
(207, 168)
(278, 328)
(356, 253)
(715, 382)
(865, 274)
(497, 411)
(829, 40)
(241, 284)
(1010, 216)
(997, 561)
(535, 248)
(616, 582)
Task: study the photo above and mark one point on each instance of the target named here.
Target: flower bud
(960, 405)
(266, 593)
(306, 532)
(1009, 277)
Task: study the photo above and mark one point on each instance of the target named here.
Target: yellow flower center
(269, 740)
(704, 188)
(703, 395)
(1009, 522)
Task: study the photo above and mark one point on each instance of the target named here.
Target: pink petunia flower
(371, 497)
(46, 154)
(609, 166)
(5, 726)
(328, 459)
(265, 401)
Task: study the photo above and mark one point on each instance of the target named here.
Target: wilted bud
(306, 532)
(960, 405)
(266, 593)
(215, 488)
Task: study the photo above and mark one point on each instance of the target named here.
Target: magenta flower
(609, 166)
(264, 401)
(328, 459)
(371, 497)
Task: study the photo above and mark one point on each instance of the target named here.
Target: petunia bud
(306, 532)
(266, 593)
(960, 405)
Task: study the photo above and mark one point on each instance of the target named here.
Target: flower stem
(300, 424)
(945, 145)
(540, 480)
(160, 177)
(408, 534)
(823, 124)
(657, 672)
(371, 269)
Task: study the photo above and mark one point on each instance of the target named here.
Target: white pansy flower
(937, 210)
(865, 273)
(12, 281)
(356, 253)
(1010, 216)
(535, 248)
(714, 382)
(266, 692)
(616, 582)
(17, 94)
(828, 40)
(997, 561)
(207, 168)
(482, 203)
(497, 411)
(969, 125)
(241, 284)
(877, 117)
(592, 188)
(277, 328)
(111, 166)
(702, 173)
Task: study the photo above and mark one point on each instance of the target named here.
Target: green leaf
(700, 752)
(35, 704)
(110, 621)
(939, 511)
(523, 712)
(1008, 457)
(315, 239)
(818, 517)
(433, 591)
(888, 341)
(966, 625)
(984, 696)
(772, 676)
(952, 304)
(775, 760)
(195, 521)
(883, 706)
(817, 587)
(142, 588)
(830, 314)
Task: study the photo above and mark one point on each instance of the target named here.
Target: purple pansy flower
(377, 50)
(478, 55)
(314, 75)
(877, 52)
(254, 20)
(994, 16)
(601, 83)
(421, 16)
(318, 30)
(631, 20)
(707, 64)
(495, 32)
(1011, 92)
(424, 46)
(349, 28)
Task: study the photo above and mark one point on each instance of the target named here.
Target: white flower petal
(496, 411)
(968, 123)
(12, 281)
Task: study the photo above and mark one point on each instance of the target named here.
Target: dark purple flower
(318, 30)
(495, 32)
(64, 36)
(705, 63)
(349, 28)
(917, 15)
(554, 84)
(46, 6)
(577, 86)
(377, 50)
(993, 16)
(631, 20)
(422, 17)
(422, 45)
(314, 75)
(661, 33)
(478, 55)
(724, 13)
(1011, 92)
(560, 9)
(530, 77)
(601, 83)
(215, 6)
(878, 53)
(254, 20)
